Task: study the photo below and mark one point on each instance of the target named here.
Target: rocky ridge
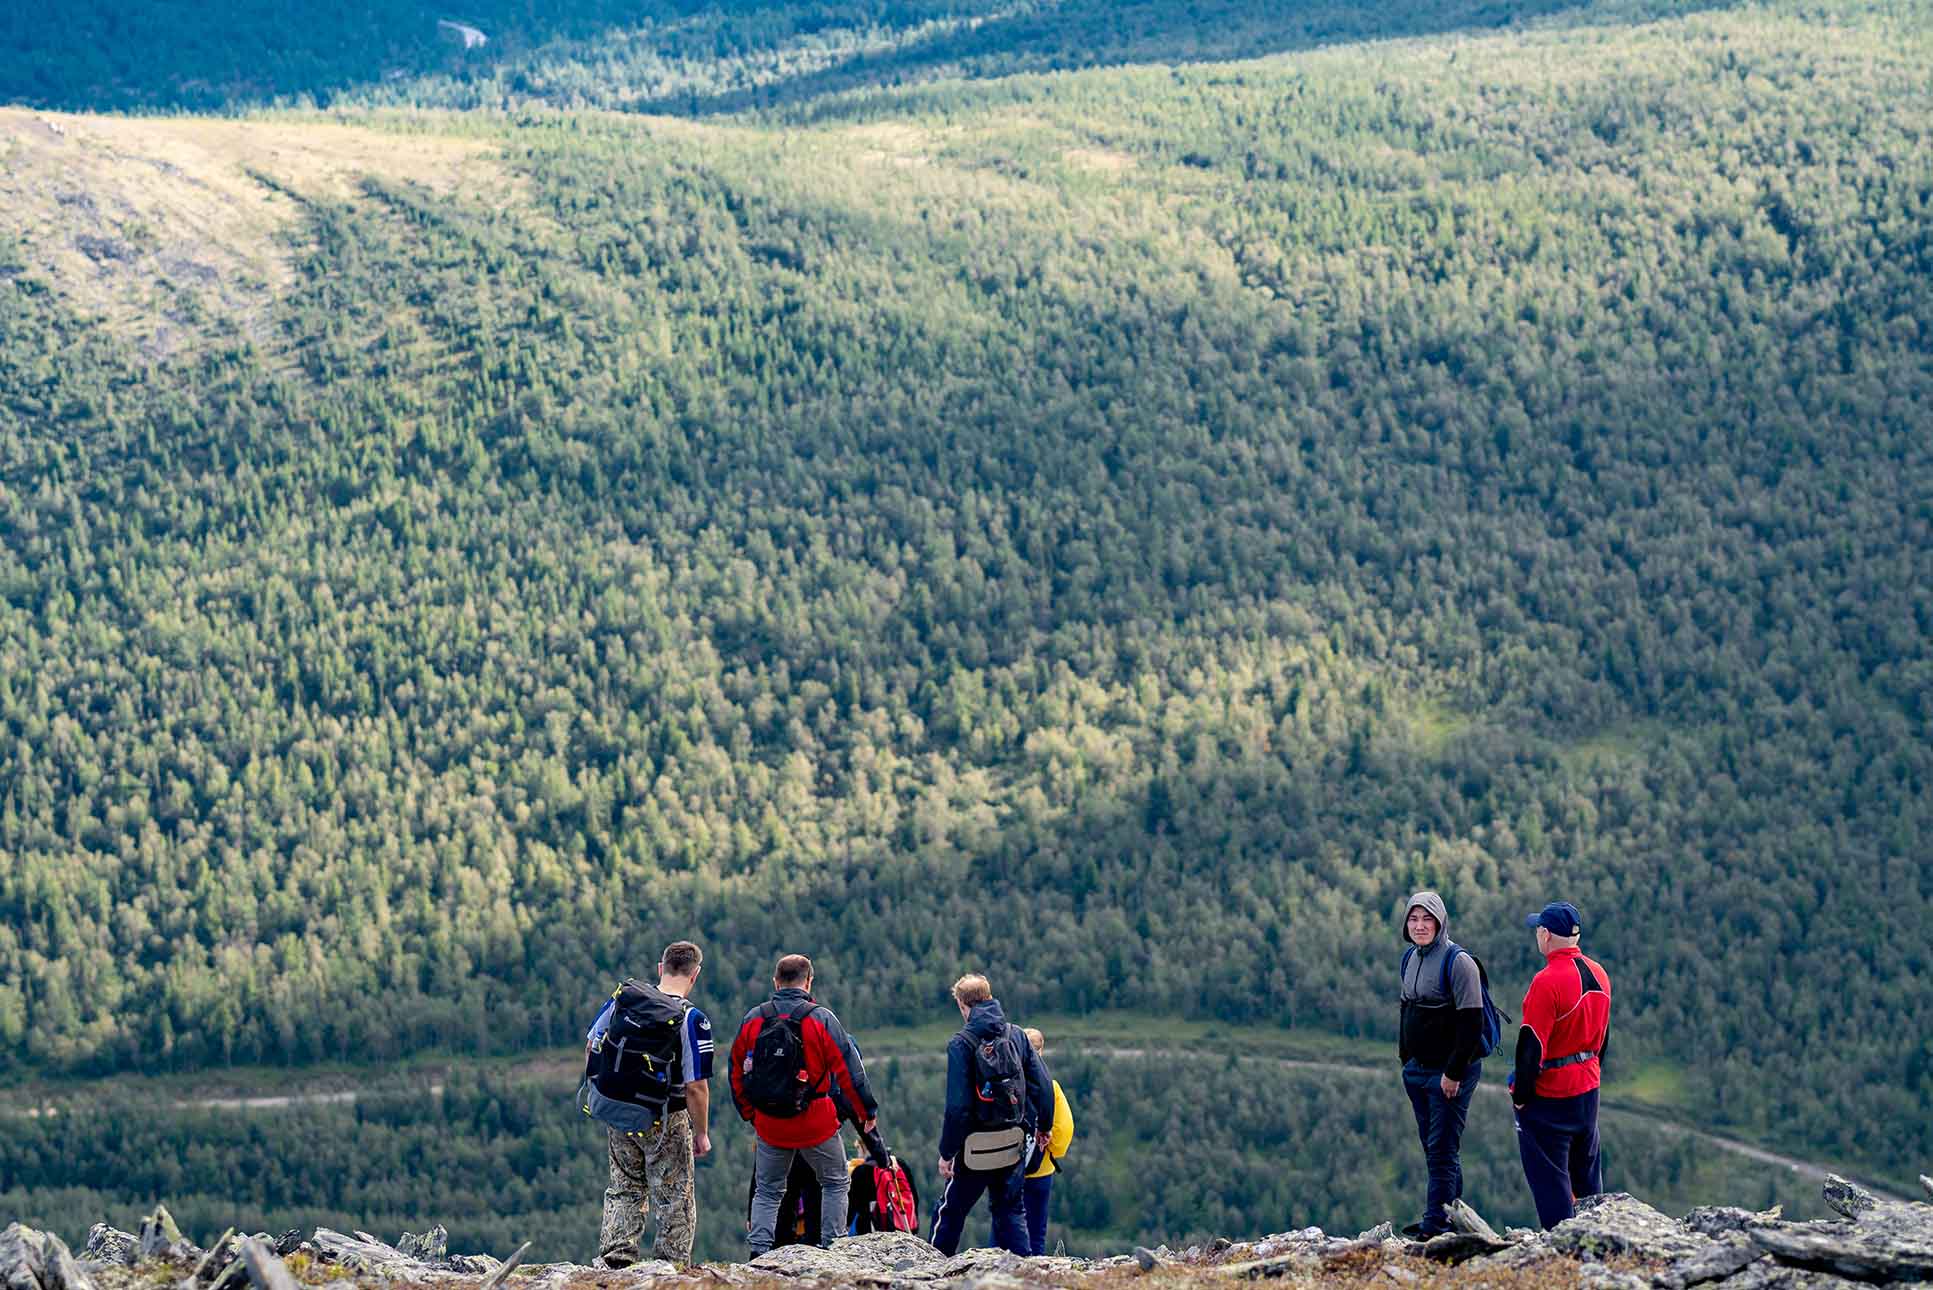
(1615, 1242)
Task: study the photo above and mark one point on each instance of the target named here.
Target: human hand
(700, 1145)
(869, 1125)
(1451, 1087)
(946, 1169)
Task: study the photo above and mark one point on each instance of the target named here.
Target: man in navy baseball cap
(1560, 1057)
(1559, 918)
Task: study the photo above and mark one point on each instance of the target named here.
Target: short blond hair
(971, 989)
(1034, 1037)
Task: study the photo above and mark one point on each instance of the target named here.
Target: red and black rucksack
(777, 1081)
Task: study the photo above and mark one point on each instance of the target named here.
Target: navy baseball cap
(1560, 918)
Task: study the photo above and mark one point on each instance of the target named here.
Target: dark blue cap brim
(1533, 921)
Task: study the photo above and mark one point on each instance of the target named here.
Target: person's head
(680, 962)
(1034, 1037)
(969, 990)
(794, 972)
(1423, 921)
(1557, 926)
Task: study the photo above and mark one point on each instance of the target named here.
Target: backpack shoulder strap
(1409, 952)
(1450, 950)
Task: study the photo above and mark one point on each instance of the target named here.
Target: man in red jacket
(790, 1058)
(1560, 1056)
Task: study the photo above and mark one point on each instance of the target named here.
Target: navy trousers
(1038, 1193)
(1004, 1191)
(1439, 1124)
(1557, 1138)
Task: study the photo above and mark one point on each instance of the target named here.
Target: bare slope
(167, 229)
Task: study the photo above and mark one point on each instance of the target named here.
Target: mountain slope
(1123, 530)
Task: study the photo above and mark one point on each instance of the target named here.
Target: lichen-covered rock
(976, 1262)
(110, 1245)
(475, 1264)
(364, 1253)
(1594, 1276)
(1719, 1220)
(1464, 1218)
(33, 1260)
(1848, 1250)
(160, 1235)
(1769, 1274)
(1729, 1256)
(887, 1251)
(647, 1270)
(810, 1262)
(1848, 1197)
(1618, 1223)
(432, 1246)
(1461, 1247)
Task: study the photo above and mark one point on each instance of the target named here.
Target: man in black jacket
(998, 1096)
(1442, 1030)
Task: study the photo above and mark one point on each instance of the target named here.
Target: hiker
(790, 1057)
(1439, 1041)
(647, 1063)
(1037, 1192)
(997, 1094)
(1560, 1057)
(883, 1198)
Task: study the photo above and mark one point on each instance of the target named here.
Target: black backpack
(778, 1084)
(632, 1072)
(999, 1082)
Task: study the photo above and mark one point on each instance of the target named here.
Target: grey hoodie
(1441, 1029)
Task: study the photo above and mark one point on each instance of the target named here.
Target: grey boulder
(110, 1245)
(33, 1260)
(1728, 1257)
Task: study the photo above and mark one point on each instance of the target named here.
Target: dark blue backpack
(1493, 1016)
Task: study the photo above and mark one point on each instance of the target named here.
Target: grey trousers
(769, 1170)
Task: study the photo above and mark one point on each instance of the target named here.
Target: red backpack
(894, 1207)
(882, 1198)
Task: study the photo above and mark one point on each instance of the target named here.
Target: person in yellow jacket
(1038, 1191)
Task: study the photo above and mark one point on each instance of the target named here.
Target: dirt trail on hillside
(564, 1072)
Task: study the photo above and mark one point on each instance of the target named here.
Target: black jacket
(987, 1021)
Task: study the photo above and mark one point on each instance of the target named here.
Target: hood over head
(1433, 905)
(986, 1021)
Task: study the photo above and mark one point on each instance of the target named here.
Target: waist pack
(994, 1149)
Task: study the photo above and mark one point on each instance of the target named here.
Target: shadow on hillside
(1087, 34)
(234, 58)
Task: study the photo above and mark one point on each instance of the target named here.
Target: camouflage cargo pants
(650, 1171)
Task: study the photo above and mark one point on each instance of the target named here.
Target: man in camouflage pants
(652, 1168)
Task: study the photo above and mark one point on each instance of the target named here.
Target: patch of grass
(1656, 1083)
(1434, 724)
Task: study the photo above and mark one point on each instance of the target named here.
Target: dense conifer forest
(502, 1161)
(1121, 529)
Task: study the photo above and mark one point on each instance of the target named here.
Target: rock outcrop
(1615, 1242)
(31, 1260)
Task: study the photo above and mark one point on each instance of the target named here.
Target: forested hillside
(503, 1161)
(1122, 530)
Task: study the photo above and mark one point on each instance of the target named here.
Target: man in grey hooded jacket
(1442, 1031)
